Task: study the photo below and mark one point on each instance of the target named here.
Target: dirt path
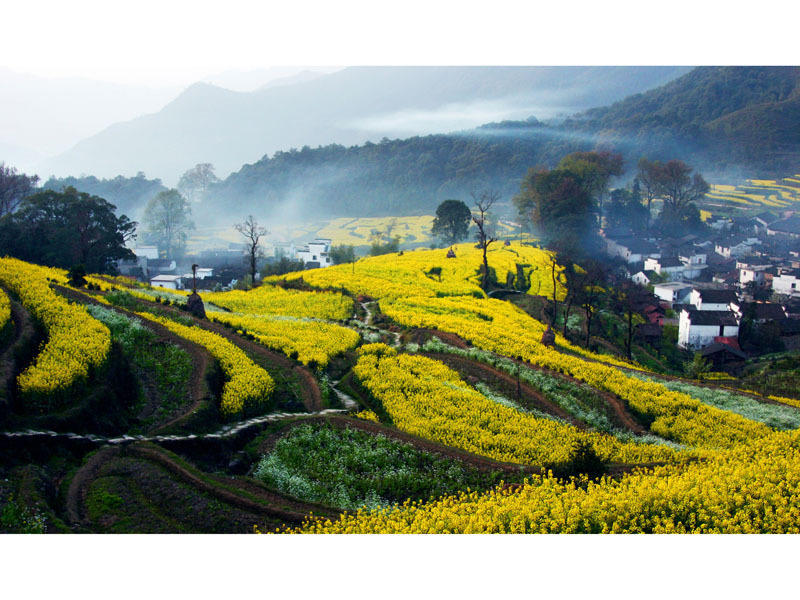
(200, 357)
(246, 495)
(311, 394)
(468, 368)
(75, 504)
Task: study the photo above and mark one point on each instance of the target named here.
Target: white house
(172, 282)
(150, 252)
(786, 284)
(698, 328)
(316, 253)
(754, 273)
(674, 293)
(202, 273)
(717, 300)
(641, 278)
(672, 268)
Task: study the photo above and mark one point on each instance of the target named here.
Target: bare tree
(251, 230)
(14, 187)
(483, 202)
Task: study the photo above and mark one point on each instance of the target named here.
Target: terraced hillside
(389, 395)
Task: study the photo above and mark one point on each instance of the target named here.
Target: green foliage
(16, 518)
(164, 369)
(62, 229)
(695, 368)
(349, 469)
(778, 416)
(626, 210)
(167, 221)
(14, 187)
(452, 220)
(342, 253)
(128, 194)
(282, 266)
(584, 459)
(560, 206)
(77, 276)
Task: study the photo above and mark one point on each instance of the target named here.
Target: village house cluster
(746, 268)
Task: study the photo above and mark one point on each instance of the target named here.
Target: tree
(342, 253)
(483, 203)
(383, 242)
(14, 187)
(253, 233)
(65, 229)
(628, 297)
(194, 183)
(626, 210)
(452, 221)
(167, 219)
(648, 177)
(697, 367)
(595, 170)
(561, 208)
(679, 190)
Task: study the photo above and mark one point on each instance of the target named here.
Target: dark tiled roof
(718, 296)
(719, 347)
(764, 311)
(712, 317)
(670, 262)
(790, 225)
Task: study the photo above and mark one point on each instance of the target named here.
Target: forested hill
(210, 124)
(128, 194)
(723, 120)
(729, 116)
(409, 176)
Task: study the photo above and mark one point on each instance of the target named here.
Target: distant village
(746, 269)
(217, 270)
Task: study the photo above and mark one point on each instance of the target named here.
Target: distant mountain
(351, 106)
(42, 116)
(248, 81)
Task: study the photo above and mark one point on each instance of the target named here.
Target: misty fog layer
(210, 124)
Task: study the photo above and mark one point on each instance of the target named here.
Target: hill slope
(209, 124)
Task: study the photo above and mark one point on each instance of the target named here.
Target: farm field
(391, 395)
(756, 194)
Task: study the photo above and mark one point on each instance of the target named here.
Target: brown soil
(248, 495)
(201, 359)
(79, 486)
(311, 394)
(474, 370)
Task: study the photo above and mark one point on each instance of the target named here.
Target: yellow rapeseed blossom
(76, 342)
(247, 384)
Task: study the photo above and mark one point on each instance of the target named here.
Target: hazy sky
(175, 42)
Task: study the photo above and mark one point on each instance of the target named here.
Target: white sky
(169, 42)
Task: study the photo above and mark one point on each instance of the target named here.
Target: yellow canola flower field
(504, 329)
(750, 489)
(76, 342)
(247, 384)
(273, 300)
(431, 273)
(312, 340)
(5, 309)
(358, 232)
(424, 397)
